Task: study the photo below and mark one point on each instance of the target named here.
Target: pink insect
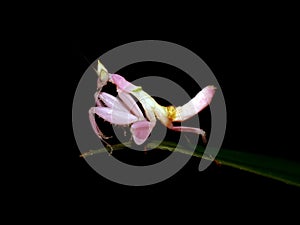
(123, 110)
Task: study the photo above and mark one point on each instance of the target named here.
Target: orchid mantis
(123, 110)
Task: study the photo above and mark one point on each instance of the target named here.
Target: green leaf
(283, 170)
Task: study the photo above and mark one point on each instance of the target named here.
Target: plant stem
(283, 170)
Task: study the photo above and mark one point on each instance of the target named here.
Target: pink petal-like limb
(126, 88)
(140, 131)
(131, 104)
(195, 105)
(115, 116)
(123, 84)
(112, 102)
(150, 107)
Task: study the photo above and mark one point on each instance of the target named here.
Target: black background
(252, 50)
(254, 67)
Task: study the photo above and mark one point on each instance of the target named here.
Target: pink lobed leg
(113, 102)
(131, 104)
(123, 84)
(140, 131)
(115, 116)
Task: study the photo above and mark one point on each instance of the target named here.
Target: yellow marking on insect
(171, 110)
(139, 88)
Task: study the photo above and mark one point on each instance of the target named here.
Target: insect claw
(102, 136)
(111, 149)
(204, 140)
